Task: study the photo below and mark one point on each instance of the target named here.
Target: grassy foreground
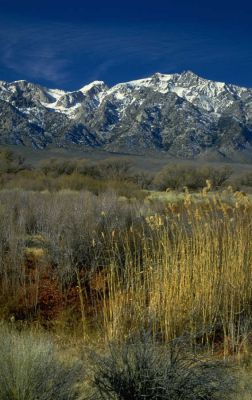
(117, 266)
(33, 367)
(103, 269)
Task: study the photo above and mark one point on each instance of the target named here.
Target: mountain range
(183, 115)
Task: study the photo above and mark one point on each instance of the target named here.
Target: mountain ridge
(182, 114)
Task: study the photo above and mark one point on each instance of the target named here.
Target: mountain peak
(189, 72)
(96, 84)
(160, 75)
(190, 75)
(183, 114)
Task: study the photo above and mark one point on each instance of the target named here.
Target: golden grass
(36, 253)
(193, 277)
(181, 267)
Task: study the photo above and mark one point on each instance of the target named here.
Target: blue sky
(67, 44)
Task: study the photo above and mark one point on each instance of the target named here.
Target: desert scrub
(168, 266)
(30, 369)
(142, 370)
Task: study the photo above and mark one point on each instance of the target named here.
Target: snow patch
(56, 93)
(86, 88)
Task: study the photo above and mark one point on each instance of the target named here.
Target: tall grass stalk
(181, 268)
(191, 277)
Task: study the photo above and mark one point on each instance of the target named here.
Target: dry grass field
(174, 268)
(109, 279)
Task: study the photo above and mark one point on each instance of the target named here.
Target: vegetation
(172, 268)
(178, 176)
(10, 162)
(140, 369)
(112, 173)
(87, 254)
(245, 179)
(29, 369)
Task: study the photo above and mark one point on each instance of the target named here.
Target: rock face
(182, 114)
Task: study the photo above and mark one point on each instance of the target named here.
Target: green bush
(29, 369)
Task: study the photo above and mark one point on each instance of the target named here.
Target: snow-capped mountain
(182, 114)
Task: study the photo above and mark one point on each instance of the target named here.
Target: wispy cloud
(30, 52)
(63, 54)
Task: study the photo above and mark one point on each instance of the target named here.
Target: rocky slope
(182, 114)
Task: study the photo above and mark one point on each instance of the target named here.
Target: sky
(67, 44)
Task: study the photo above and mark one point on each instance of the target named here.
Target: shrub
(142, 370)
(246, 179)
(29, 369)
(111, 168)
(178, 176)
(56, 166)
(115, 169)
(143, 179)
(11, 162)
